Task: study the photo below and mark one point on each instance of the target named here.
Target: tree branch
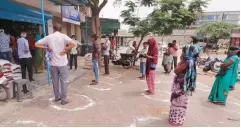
(91, 3)
(103, 4)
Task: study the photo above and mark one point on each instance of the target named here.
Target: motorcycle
(213, 65)
(202, 61)
(126, 60)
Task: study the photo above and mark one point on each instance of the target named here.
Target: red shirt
(113, 44)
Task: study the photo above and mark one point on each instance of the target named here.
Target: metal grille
(82, 9)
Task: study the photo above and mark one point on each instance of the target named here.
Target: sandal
(94, 83)
(65, 102)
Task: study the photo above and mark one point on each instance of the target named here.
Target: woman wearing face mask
(226, 78)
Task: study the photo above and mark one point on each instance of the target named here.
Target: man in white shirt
(57, 44)
(73, 53)
(25, 59)
(106, 50)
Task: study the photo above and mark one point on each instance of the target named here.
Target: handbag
(104, 47)
(153, 66)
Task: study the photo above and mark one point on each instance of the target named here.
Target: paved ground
(119, 101)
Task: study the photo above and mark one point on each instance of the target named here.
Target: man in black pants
(25, 59)
(106, 49)
(175, 47)
(74, 52)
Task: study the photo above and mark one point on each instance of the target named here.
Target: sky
(111, 11)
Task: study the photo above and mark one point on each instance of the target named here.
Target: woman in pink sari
(184, 84)
(151, 62)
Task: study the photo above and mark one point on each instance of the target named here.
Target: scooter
(202, 61)
(213, 65)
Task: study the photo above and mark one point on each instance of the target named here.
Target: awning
(107, 27)
(13, 11)
(69, 2)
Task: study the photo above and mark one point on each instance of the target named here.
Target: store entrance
(13, 29)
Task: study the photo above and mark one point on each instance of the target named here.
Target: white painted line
(38, 124)
(100, 89)
(143, 119)
(160, 81)
(201, 84)
(117, 75)
(156, 99)
(90, 104)
(169, 93)
(203, 90)
(235, 103)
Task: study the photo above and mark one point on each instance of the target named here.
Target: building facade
(55, 10)
(225, 16)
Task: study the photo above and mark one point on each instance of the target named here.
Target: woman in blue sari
(226, 78)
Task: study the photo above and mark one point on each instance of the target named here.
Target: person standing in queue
(175, 52)
(106, 48)
(73, 53)
(59, 44)
(95, 58)
(143, 61)
(25, 59)
(151, 62)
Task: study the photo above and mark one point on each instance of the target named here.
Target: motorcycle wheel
(126, 64)
(206, 69)
(215, 67)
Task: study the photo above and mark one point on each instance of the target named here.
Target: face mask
(23, 35)
(106, 38)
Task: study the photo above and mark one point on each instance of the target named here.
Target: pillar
(50, 26)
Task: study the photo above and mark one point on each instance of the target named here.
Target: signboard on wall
(70, 14)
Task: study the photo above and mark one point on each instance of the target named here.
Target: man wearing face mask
(25, 58)
(73, 52)
(106, 50)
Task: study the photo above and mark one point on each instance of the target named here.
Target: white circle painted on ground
(143, 119)
(96, 87)
(117, 75)
(90, 104)
(38, 124)
(157, 99)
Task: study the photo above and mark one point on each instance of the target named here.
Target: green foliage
(129, 15)
(161, 22)
(141, 29)
(168, 15)
(198, 5)
(216, 30)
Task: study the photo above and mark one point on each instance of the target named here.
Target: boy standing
(143, 61)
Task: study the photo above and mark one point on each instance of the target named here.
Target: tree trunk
(139, 44)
